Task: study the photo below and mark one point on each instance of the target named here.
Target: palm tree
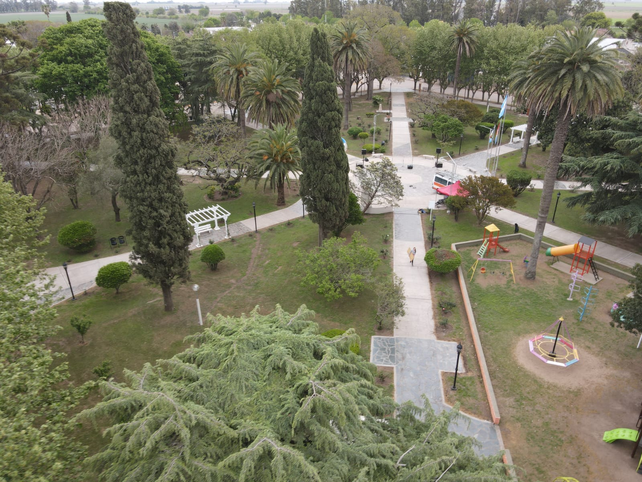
(464, 41)
(573, 73)
(349, 44)
(230, 69)
(277, 154)
(270, 94)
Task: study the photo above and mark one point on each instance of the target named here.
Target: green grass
(571, 219)
(98, 210)
(530, 408)
(464, 230)
(424, 144)
(60, 17)
(535, 162)
(359, 108)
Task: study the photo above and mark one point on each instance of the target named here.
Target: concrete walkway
(416, 355)
(83, 275)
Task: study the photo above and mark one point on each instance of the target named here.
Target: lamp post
(461, 139)
(374, 132)
(432, 235)
(198, 305)
(556, 202)
(459, 348)
(256, 229)
(64, 265)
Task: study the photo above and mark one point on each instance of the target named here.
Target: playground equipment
(490, 242)
(588, 301)
(554, 349)
(582, 252)
(575, 277)
(621, 434)
(565, 479)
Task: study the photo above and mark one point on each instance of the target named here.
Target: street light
(459, 348)
(198, 305)
(556, 203)
(432, 235)
(64, 265)
(256, 229)
(461, 139)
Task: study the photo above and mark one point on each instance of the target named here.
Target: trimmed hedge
(354, 132)
(79, 236)
(518, 181)
(508, 124)
(363, 135)
(212, 255)
(483, 129)
(354, 348)
(114, 275)
(442, 260)
(368, 148)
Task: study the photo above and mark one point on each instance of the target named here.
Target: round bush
(368, 148)
(212, 255)
(442, 260)
(79, 236)
(114, 275)
(354, 348)
(354, 132)
(363, 135)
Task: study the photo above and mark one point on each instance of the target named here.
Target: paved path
(415, 353)
(83, 275)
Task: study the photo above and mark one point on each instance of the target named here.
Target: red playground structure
(491, 240)
(582, 252)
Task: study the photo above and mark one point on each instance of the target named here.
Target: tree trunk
(346, 94)
(167, 296)
(415, 86)
(242, 120)
(532, 114)
(280, 189)
(72, 192)
(457, 64)
(557, 149)
(114, 204)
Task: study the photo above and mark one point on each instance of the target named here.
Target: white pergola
(521, 129)
(201, 220)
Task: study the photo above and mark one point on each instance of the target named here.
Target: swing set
(490, 243)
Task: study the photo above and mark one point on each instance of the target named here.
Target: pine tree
(325, 187)
(151, 186)
(266, 398)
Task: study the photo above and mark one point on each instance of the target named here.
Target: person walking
(411, 255)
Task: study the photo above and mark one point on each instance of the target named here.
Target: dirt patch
(585, 374)
(295, 244)
(386, 379)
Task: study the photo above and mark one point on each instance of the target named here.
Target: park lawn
(424, 144)
(547, 426)
(571, 219)
(535, 162)
(98, 210)
(360, 106)
(131, 328)
(60, 17)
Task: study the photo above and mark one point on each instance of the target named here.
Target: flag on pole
(502, 111)
(490, 136)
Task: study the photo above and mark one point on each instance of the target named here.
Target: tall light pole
(461, 139)
(256, 229)
(556, 203)
(374, 132)
(64, 265)
(198, 305)
(432, 235)
(459, 348)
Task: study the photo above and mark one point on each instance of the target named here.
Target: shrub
(370, 114)
(103, 371)
(363, 135)
(518, 181)
(368, 148)
(377, 100)
(211, 192)
(508, 124)
(114, 275)
(212, 255)
(354, 132)
(456, 204)
(483, 129)
(492, 116)
(81, 324)
(79, 236)
(372, 130)
(442, 260)
(354, 348)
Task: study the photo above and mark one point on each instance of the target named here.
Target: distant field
(621, 10)
(60, 17)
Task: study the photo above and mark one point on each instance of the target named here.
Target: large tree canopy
(265, 397)
(73, 63)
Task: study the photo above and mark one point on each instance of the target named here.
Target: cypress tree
(325, 187)
(68, 18)
(160, 232)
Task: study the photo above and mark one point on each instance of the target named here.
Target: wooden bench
(204, 228)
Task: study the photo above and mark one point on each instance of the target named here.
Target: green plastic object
(639, 471)
(620, 434)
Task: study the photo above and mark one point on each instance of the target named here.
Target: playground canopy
(453, 190)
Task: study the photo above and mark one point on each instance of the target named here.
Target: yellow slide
(563, 250)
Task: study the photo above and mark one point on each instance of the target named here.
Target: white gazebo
(201, 220)
(520, 129)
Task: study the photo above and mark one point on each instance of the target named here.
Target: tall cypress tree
(325, 187)
(151, 188)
